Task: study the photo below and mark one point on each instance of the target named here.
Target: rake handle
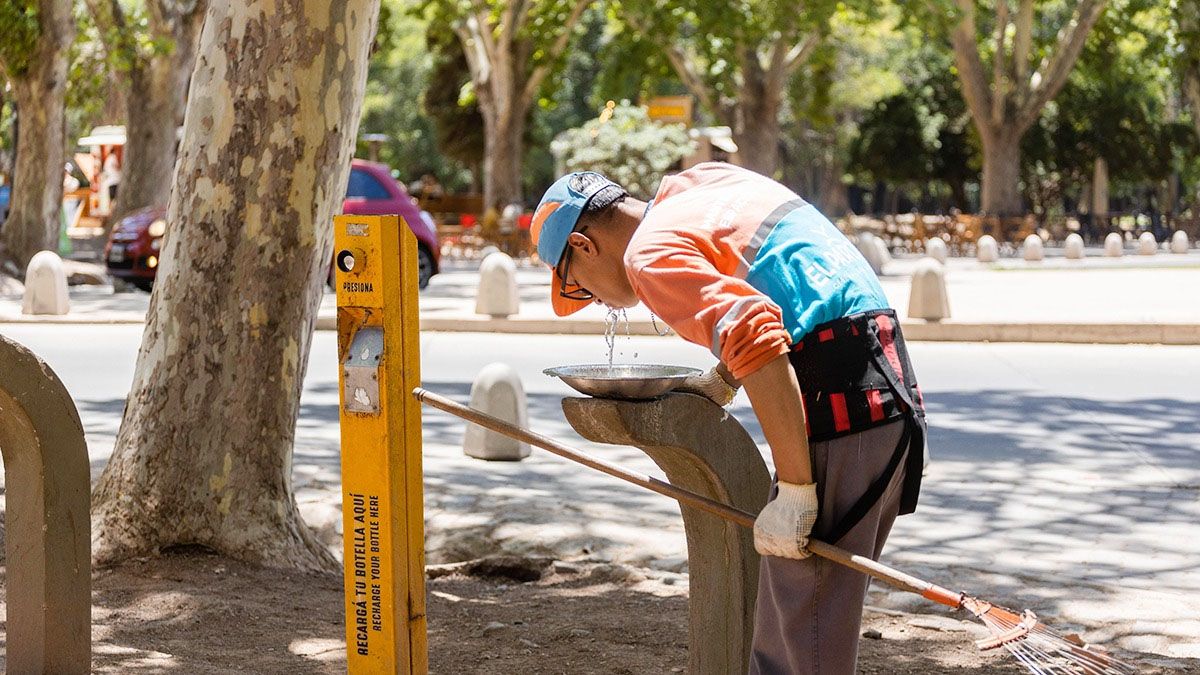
(830, 552)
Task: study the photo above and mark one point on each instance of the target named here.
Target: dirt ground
(193, 612)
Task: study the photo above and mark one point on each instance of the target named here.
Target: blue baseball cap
(555, 219)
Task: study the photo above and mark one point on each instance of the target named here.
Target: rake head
(1039, 648)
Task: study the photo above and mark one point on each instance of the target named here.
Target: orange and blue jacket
(738, 263)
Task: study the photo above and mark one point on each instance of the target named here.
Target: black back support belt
(855, 375)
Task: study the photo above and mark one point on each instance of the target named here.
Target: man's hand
(783, 526)
(710, 385)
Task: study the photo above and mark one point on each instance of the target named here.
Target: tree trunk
(40, 95)
(1192, 92)
(1100, 189)
(834, 199)
(756, 128)
(503, 145)
(204, 452)
(958, 193)
(1002, 174)
(157, 94)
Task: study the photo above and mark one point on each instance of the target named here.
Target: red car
(132, 252)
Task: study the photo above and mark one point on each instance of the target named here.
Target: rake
(1037, 647)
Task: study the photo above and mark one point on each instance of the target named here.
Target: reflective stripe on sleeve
(764, 230)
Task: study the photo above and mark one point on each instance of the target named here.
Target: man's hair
(602, 200)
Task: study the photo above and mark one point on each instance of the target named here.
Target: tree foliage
(511, 48)
(859, 63)
(868, 66)
(451, 106)
(713, 45)
(413, 84)
(20, 28)
(737, 59)
(624, 144)
(134, 33)
(1116, 106)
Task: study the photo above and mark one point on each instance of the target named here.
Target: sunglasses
(579, 292)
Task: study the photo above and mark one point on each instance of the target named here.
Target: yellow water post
(375, 261)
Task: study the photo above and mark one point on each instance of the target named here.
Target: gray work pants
(809, 612)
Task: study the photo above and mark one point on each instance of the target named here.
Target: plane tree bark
(204, 452)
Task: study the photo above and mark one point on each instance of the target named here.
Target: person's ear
(582, 244)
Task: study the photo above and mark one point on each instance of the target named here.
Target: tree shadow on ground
(189, 611)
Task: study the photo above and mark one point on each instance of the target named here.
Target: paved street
(1064, 477)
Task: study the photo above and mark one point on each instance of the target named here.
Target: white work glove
(783, 526)
(711, 386)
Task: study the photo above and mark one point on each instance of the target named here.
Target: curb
(918, 331)
(69, 319)
(1070, 333)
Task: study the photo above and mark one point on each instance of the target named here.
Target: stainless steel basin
(633, 381)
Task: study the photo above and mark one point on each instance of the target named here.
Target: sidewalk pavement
(1133, 299)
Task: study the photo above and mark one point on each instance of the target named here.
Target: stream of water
(612, 323)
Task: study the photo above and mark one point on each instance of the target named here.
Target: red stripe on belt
(825, 335)
(841, 417)
(888, 341)
(875, 400)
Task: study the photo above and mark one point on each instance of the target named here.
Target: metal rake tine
(1027, 660)
(1046, 660)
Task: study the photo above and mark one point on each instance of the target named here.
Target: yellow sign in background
(670, 109)
(375, 272)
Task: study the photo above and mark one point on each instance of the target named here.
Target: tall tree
(154, 47)
(511, 47)
(34, 59)
(204, 452)
(1007, 99)
(736, 58)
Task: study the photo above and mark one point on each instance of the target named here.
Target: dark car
(132, 252)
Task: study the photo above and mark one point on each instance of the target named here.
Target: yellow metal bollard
(375, 260)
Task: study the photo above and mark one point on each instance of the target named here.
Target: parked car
(373, 192)
(132, 251)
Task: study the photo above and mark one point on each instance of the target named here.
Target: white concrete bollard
(865, 243)
(497, 391)
(45, 285)
(1147, 245)
(987, 250)
(885, 254)
(1073, 247)
(927, 299)
(1033, 248)
(936, 248)
(487, 250)
(497, 295)
(1179, 242)
(1114, 245)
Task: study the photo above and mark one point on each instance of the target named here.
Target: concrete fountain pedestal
(701, 448)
